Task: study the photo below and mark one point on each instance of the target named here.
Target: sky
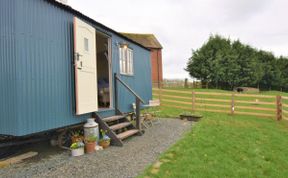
(183, 25)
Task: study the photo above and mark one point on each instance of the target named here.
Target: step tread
(127, 134)
(113, 118)
(120, 126)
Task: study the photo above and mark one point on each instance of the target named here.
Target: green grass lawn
(221, 145)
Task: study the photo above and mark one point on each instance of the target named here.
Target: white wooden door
(85, 67)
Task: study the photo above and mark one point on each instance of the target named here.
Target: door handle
(77, 59)
(78, 56)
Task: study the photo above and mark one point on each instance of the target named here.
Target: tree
(282, 64)
(272, 74)
(250, 72)
(227, 64)
(202, 63)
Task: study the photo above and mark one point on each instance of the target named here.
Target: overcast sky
(183, 25)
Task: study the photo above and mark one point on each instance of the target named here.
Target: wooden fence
(230, 103)
(285, 107)
(178, 84)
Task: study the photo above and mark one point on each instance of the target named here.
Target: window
(126, 60)
(86, 44)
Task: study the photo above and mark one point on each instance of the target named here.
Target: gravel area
(128, 161)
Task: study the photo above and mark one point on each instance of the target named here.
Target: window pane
(126, 61)
(128, 66)
(86, 44)
(125, 54)
(121, 67)
(131, 61)
(121, 54)
(124, 66)
(121, 59)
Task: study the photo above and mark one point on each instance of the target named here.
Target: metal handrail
(125, 85)
(138, 99)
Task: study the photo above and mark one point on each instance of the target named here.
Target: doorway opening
(103, 45)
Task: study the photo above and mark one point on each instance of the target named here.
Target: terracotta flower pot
(90, 147)
(104, 143)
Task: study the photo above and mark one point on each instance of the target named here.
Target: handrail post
(138, 122)
(115, 92)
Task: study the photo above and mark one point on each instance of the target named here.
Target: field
(224, 145)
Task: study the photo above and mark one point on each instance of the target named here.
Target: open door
(104, 70)
(85, 67)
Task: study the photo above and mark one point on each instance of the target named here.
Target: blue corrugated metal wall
(8, 97)
(140, 81)
(37, 71)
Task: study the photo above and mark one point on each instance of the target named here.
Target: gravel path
(127, 161)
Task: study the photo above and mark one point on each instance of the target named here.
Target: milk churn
(91, 128)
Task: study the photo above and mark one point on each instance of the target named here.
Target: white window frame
(126, 61)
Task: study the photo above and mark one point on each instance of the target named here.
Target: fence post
(232, 104)
(279, 108)
(193, 101)
(186, 83)
(160, 94)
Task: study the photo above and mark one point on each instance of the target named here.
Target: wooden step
(120, 126)
(113, 118)
(127, 134)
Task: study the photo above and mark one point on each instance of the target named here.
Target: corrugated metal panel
(41, 94)
(44, 67)
(8, 97)
(139, 82)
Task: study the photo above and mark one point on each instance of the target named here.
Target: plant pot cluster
(77, 148)
(79, 143)
(105, 140)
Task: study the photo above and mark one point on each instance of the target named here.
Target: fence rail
(242, 104)
(179, 84)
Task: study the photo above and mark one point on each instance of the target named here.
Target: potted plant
(105, 139)
(90, 144)
(190, 116)
(76, 136)
(77, 148)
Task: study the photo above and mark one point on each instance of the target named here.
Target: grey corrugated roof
(70, 9)
(147, 40)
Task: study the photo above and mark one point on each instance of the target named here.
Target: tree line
(226, 64)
